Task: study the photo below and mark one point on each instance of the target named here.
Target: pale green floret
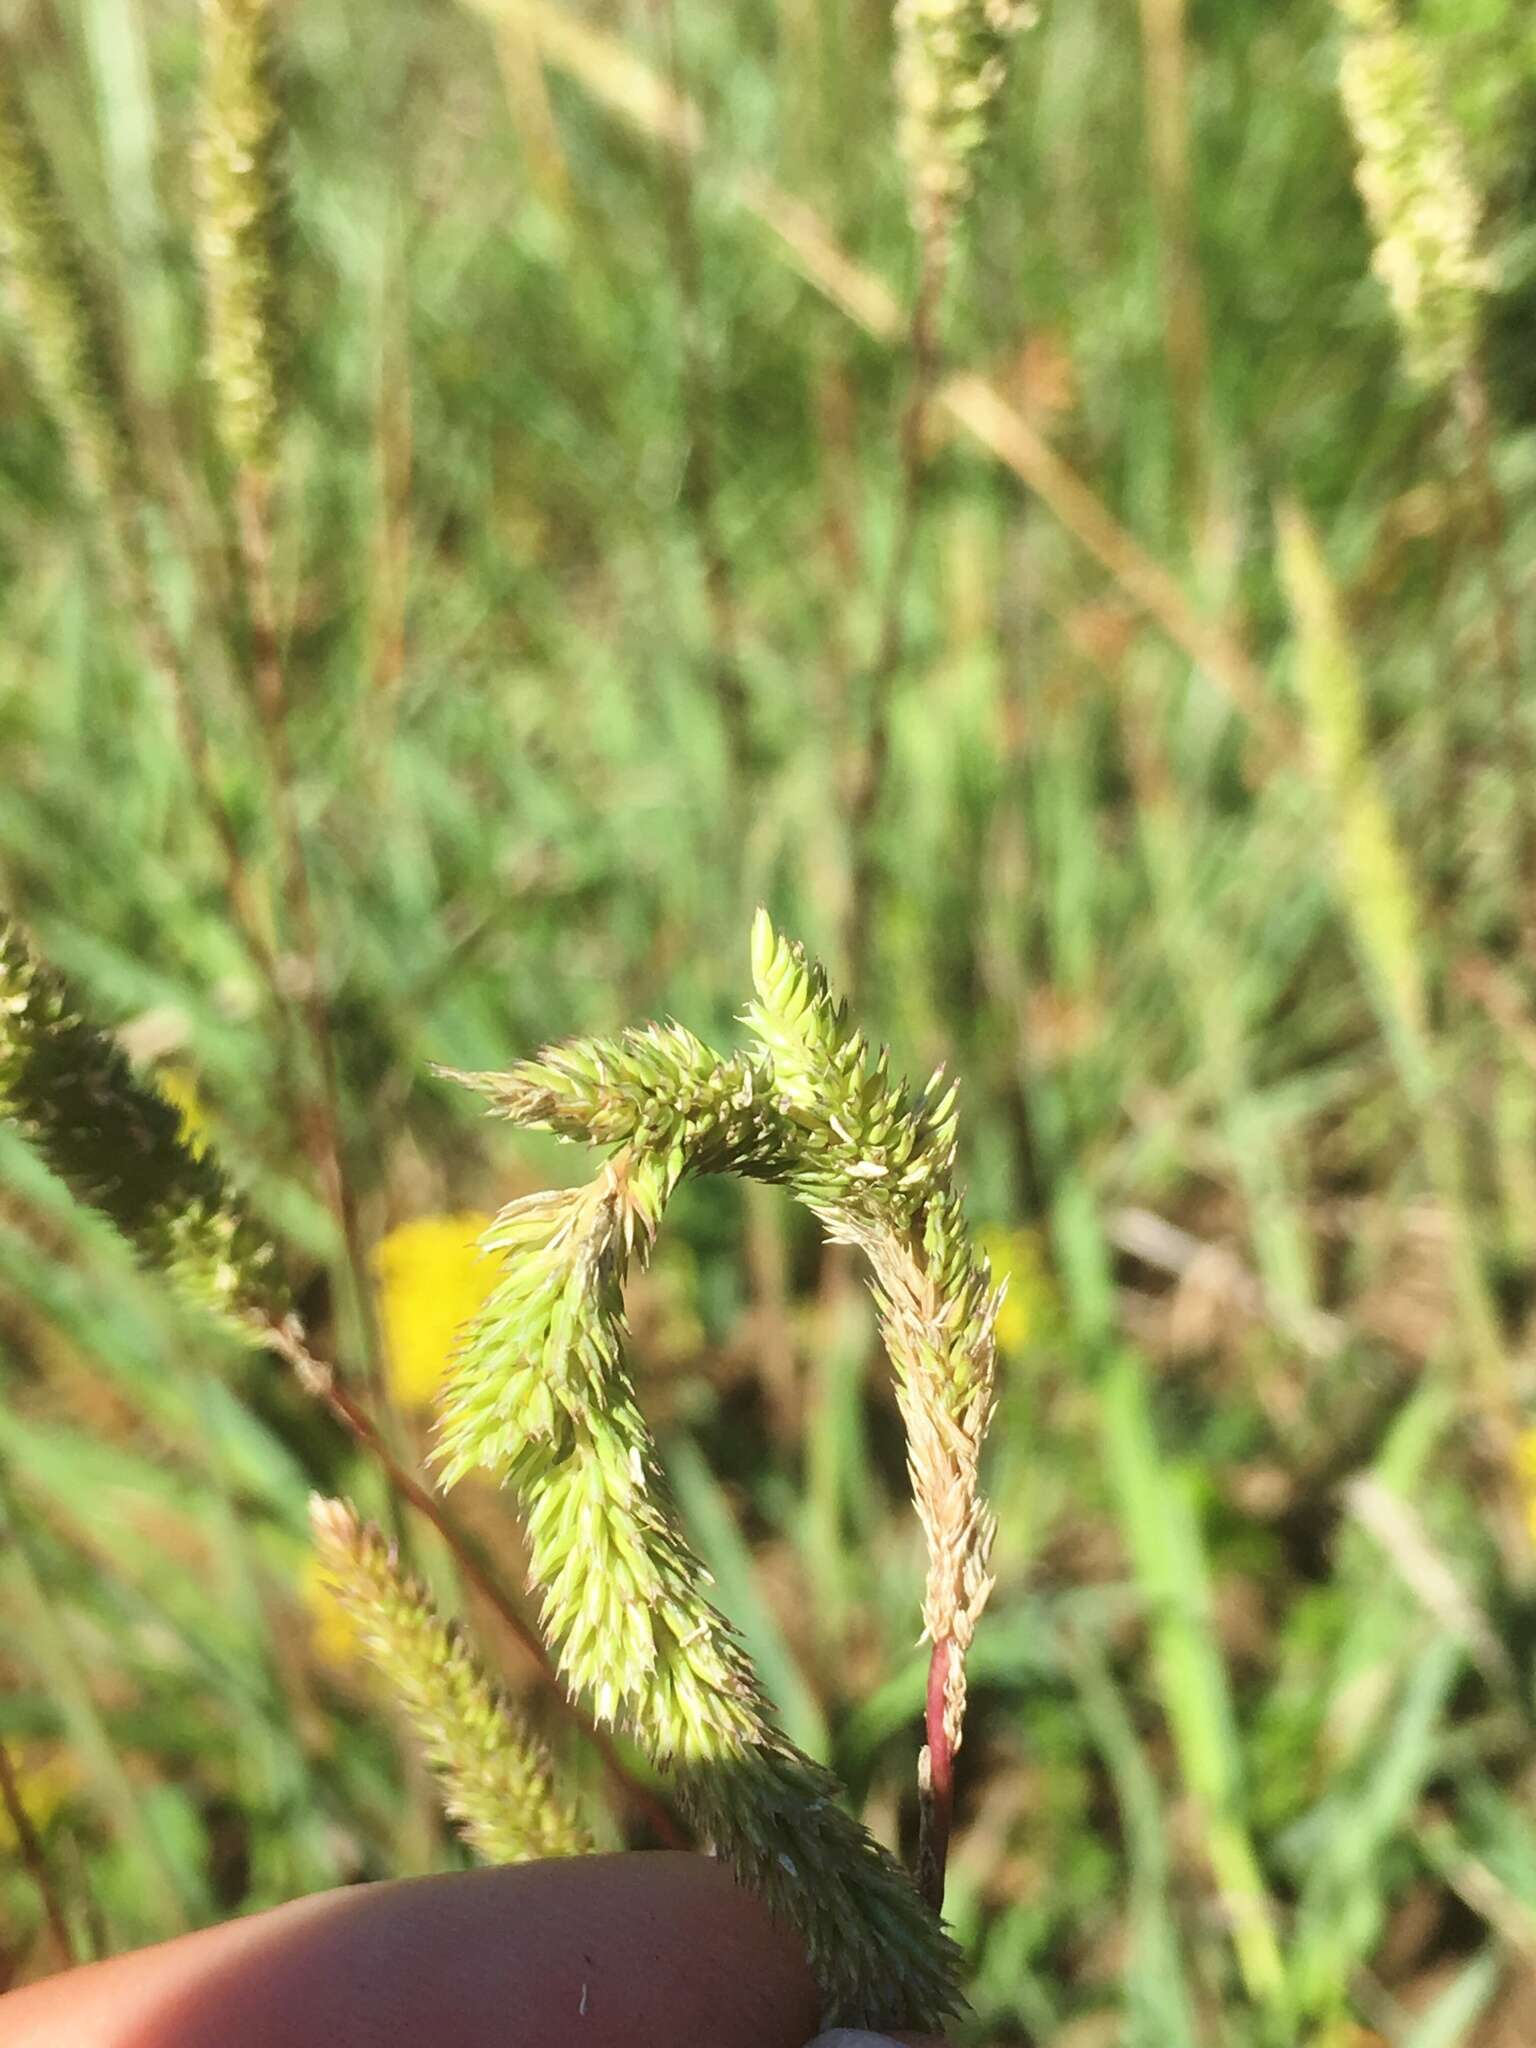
(951, 68)
(658, 1088)
(496, 1778)
(1413, 177)
(117, 1146)
(58, 311)
(242, 227)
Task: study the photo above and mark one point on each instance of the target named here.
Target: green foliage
(589, 457)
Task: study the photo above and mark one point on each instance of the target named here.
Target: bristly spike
(951, 67)
(540, 1396)
(497, 1780)
(624, 1604)
(1416, 184)
(926, 1280)
(243, 227)
(59, 311)
(117, 1145)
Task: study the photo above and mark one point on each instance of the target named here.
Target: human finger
(645, 1950)
(857, 2037)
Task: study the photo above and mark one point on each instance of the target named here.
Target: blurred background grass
(1210, 886)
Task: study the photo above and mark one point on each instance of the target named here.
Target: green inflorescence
(495, 1775)
(1413, 176)
(542, 1398)
(58, 312)
(243, 227)
(951, 67)
(117, 1145)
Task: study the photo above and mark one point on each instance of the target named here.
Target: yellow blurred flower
(47, 1779)
(1018, 1257)
(333, 1634)
(179, 1087)
(432, 1278)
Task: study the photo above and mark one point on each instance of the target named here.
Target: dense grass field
(1142, 725)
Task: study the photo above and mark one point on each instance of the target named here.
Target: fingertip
(860, 2037)
(634, 1951)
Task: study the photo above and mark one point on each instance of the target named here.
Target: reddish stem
(938, 1812)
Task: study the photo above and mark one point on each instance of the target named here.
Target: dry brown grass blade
(626, 85)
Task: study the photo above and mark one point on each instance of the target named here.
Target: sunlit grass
(1207, 887)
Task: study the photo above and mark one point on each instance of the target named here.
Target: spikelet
(1418, 192)
(1374, 877)
(878, 1168)
(117, 1145)
(242, 227)
(497, 1782)
(951, 66)
(656, 1087)
(58, 310)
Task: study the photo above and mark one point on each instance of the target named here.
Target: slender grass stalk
(1168, 1553)
(1157, 1994)
(1474, 416)
(1425, 215)
(1380, 900)
(538, 131)
(114, 33)
(1338, 1916)
(391, 554)
(951, 66)
(872, 748)
(34, 1856)
(1206, 972)
(1165, 70)
(60, 312)
(700, 479)
(244, 236)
